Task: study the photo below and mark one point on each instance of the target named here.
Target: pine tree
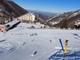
(65, 24)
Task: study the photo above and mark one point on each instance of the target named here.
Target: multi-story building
(29, 17)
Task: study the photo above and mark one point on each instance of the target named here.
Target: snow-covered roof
(12, 23)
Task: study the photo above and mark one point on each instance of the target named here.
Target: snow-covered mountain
(69, 16)
(9, 10)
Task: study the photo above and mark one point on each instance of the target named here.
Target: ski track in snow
(22, 43)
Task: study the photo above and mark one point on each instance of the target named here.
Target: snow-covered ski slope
(22, 43)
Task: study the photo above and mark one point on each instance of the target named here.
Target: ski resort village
(29, 35)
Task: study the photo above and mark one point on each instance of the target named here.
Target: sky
(57, 6)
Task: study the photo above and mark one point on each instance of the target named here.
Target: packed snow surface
(22, 43)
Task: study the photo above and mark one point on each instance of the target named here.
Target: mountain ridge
(71, 17)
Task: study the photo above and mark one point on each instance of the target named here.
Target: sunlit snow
(22, 43)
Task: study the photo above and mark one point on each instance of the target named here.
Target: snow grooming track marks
(8, 47)
(23, 46)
